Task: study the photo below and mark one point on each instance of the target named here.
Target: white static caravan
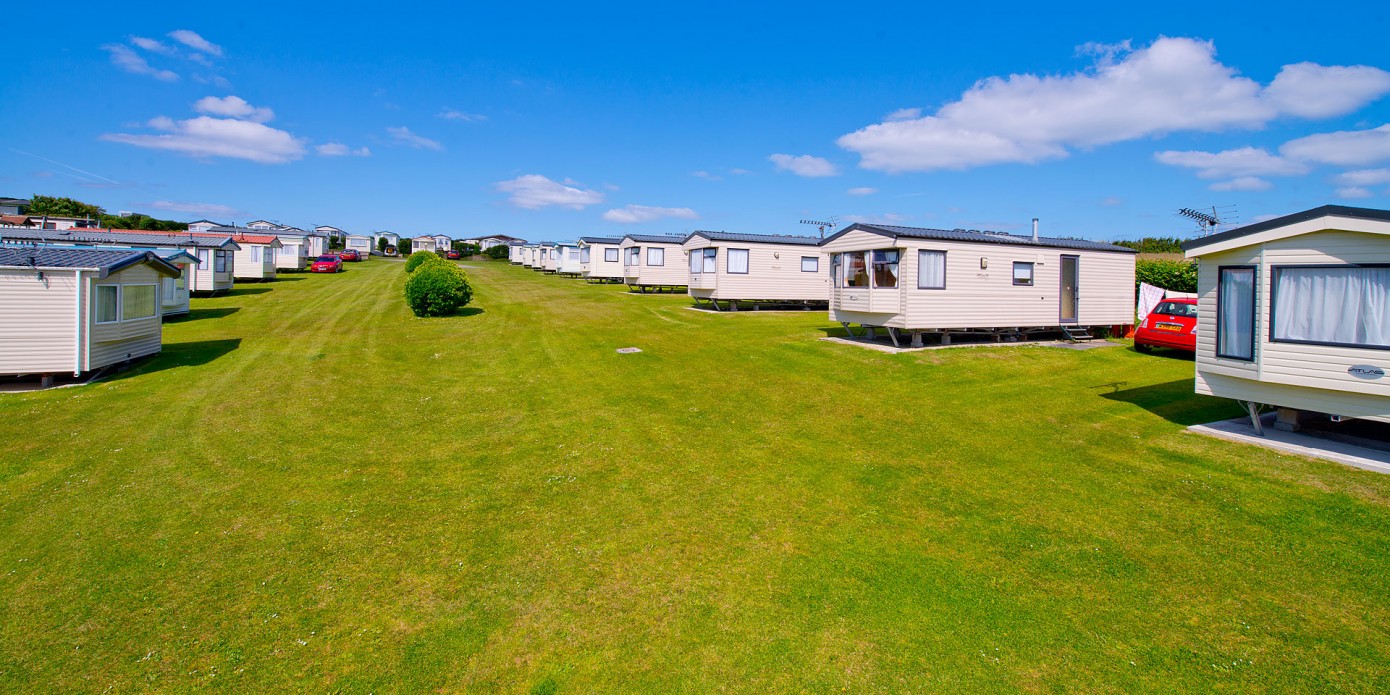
(756, 268)
(77, 309)
(215, 252)
(515, 253)
(255, 259)
(1294, 313)
(173, 296)
(944, 281)
(548, 256)
(601, 258)
(443, 243)
(422, 243)
(653, 261)
(529, 255)
(361, 243)
(567, 259)
(295, 246)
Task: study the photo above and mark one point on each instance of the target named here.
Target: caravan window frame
(1032, 273)
(1221, 271)
(98, 304)
(1275, 273)
(815, 264)
(614, 252)
(922, 254)
(729, 261)
(656, 249)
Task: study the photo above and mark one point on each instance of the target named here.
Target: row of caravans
(905, 280)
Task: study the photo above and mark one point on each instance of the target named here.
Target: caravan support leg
(916, 339)
(893, 336)
(1254, 409)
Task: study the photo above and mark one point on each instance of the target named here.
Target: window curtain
(1350, 306)
(931, 270)
(886, 268)
(1235, 314)
(585, 255)
(107, 309)
(710, 255)
(738, 261)
(610, 255)
(633, 255)
(137, 302)
(697, 263)
(656, 256)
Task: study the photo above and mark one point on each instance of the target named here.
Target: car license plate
(1164, 326)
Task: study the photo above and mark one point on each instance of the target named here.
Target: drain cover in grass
(628, 351)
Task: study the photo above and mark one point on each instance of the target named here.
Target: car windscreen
(327, 259)
(1176, 309)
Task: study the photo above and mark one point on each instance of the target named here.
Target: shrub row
(1178, 276)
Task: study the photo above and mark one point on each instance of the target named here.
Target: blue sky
(557, 121)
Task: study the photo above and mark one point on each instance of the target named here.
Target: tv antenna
(823, 225)
(1208, 222)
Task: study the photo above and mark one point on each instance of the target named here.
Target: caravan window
(1023, 273)
(610, 255)
(931, 270)
(656, 256)
(1342, 305)
(738, 261)
(856, 270)
(137, 301)
(886, 268)
(585, 254)
(835, 269)
(697, 263)
(255, 254)
(221, 262)
(1235, 313)
(108, 301)
(634, 256)
(810, 264)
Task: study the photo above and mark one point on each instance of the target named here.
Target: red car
(452, 255)
(327, 264)
(1172, 324)
(350, 255)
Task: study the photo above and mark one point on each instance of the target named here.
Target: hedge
(437, 289)
(1178, 276)
(418, 259)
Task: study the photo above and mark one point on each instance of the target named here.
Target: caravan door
(1070, 296)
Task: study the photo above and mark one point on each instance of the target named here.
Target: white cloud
(233, 107)
(1354, 192)
(205, 136)
(862, 190)
(804, 165)
(1242, 183)
(130, 61)
(1174, 84)
(1245, 161)
(449, 114)
(200, 209)
(633, 214)
(1364, 177)
(403, 136)
(1342, 148)
(1309, 90)
(195, 42)
(740, 172)
(904, 115)
(338, 149)
(533, 192)
(702, 174)
(151, 45)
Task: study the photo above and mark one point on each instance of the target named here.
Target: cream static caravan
(516, 252)
(756, 268)
(215, 252)
(530, 255)
(653, 261)
(601, 258)
(918, 281)
(75, 309)
(1294, 313)
(548, 256)
(567, 259)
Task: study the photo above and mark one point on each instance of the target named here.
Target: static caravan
(515, 253)
(422, 243)
(203, 225)
(653, 261)
(548, 256)
(77, 309)
(216, 252)
(913, 281)
(443, 243)
(601, 258)
(173, 296)
(567, 259)
(293, 253)
(361, 243)
(255, 259)
(1294, 313)
(757, 269)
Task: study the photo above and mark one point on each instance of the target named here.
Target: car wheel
(1143, 348)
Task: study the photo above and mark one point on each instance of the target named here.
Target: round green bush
(437, 289)
(418, 259)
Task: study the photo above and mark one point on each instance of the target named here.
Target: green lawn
(311, 490)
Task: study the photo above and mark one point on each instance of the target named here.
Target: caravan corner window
(137, 301)
(886, 268)
(835, 270)
(1023, 274)
(108, 303)
(856, 269)
(220, 264)
(634, 256)
(696, 265)
(1235, 313)
(1337, 305)
(585, 254)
